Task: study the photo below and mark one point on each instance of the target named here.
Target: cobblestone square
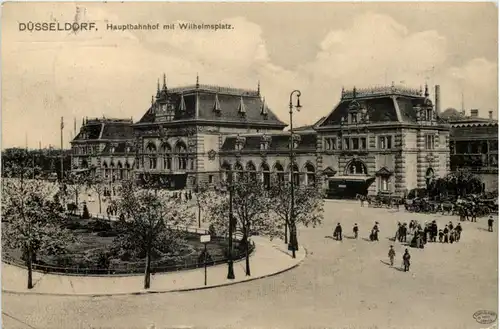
(339, 285)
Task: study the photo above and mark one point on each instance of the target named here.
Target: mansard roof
(278, 142)
(214, 103)
(119, 148)
(105, 129)
(382, 104)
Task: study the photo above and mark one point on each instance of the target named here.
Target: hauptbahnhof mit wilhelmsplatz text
(173, 26)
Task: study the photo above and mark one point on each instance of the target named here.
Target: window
(310, 174)
(385, 142)
(384, 184)
(429, 142)
(363, 143)
(355, 143)
(381, 142)
(210, 179)
(428, 116)
(330, 144)
(346, 143)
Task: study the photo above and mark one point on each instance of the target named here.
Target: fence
(124, 269)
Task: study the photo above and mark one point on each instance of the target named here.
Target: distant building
(474, 146)
(104, 148)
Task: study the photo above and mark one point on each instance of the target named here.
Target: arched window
(127, 170)
(295, 175)
(105, 170)
(120, 170)
(238, 168)
(225, 171)
(252, 171)
(152, 156)
(356, 167)
(429, 176)
(280, 173)
(310, 174)
(166, 153)
(266, 175)
(112, 170)
(181, 154)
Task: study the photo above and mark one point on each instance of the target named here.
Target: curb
(145, 292)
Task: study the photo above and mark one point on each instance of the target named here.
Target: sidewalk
(269, 258)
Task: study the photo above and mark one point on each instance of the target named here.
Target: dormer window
(241, 108)
(217, 108)
(240, 143)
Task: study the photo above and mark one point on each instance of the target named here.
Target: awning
(351, 178)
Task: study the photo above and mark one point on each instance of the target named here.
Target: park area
(97, 249)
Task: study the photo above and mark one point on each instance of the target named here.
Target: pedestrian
(362, 200)
(450, 226)
(355, 230)
(406, 260)
(398, 233)
(458, 229)
(392, 254)
(375, 232)
(338, 232)
(404, 232)
(490, 224)
(446, 231)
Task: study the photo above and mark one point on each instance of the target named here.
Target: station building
(376, 140)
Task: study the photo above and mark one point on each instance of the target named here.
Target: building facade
(387, 139)
(104, 149)
(474, 146)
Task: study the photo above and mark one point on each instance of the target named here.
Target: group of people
(337, 233)
(188, 196)
(406, 258)
(428, 233)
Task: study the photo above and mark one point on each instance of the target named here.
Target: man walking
(490, 224)
(355, 230)
(406, 260)
(392, 254)
(338, 232)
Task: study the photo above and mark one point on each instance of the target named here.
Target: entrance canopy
(348, 187)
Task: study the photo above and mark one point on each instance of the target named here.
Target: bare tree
(151, 222)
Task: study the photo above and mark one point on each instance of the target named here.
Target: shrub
(99, 226)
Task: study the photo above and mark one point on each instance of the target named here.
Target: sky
(317, 48)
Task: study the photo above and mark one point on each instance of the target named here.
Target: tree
(74, 184)
(151, 223)
(250, 212)
(308, 208)
(204, 197)
(33, 220)
(98, 186)
(463, 182)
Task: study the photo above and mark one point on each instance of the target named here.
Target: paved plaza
(339, 285)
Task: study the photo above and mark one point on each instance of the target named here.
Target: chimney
(437, 99)
(474, 113)
(490, 114)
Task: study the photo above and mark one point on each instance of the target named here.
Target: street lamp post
(230, 268)
(293, 228)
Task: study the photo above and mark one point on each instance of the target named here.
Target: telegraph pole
(62, 153)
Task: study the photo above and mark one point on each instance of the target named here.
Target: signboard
(342, 185)
(205, 238)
